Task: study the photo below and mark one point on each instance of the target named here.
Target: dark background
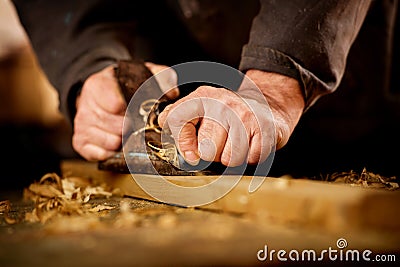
(355, 127)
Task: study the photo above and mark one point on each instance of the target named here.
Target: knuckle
(247, 115)
(100, 155)
(184, 142)
(80, 146)
(260, 148)
(172, 78)
(206, 130)
(226, 156)
(116, 104)
(207, 156)
(90, 82)
(77, 140)
(236, 154)
(112, 142)
(173, 116)
(254, 157)
(207, 149)
(176, 120)
(203, 89)
(81, 115)
(76, 143)
(225, 160)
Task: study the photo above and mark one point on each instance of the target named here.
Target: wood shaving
(5, 207)
(100, 208)
(54, 196)
(71, 224)
(167, 221)
(364, 179)
(126, 218)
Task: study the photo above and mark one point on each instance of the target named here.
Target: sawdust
(364, 179)
(5, 207)
(55, 196)
(75, 204)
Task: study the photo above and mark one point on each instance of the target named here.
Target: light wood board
(301, 202)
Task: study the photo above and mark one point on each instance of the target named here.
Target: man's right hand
(100, 110)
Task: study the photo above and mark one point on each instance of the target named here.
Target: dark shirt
(308, 40)
(323, 44)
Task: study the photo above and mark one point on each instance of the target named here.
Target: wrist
(284, 97)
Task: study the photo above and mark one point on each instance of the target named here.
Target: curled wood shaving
(364, 179)
(5, 207)
(54, 196)
(94, 191)
(100, 208)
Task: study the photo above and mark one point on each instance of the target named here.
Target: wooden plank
(302, 202)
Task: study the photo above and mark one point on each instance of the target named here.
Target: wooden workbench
(283, 214)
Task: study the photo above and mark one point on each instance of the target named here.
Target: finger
(255, 150)
(111, 99)
(212, 138)
(237, 145)
(260, 147)
(92, 135)
(187, 143)
(166, 78)
(182, 120)
(95, 153)
(162, 117)
(104, 139)
(228, 132)
(262, 136)
(110, 123)
(92, 116)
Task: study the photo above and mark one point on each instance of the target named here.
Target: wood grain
(300, 202)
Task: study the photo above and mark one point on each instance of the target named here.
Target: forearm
(307, 40)
(74, 39)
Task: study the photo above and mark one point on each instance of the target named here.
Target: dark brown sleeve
(305, 39)
(74, 39)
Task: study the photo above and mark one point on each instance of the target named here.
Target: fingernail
(192, 158)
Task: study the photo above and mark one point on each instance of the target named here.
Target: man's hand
(99, 118)
(100, 110)
(285, 99)
(216, 124)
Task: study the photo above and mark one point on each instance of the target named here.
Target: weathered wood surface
(310, 204)
(282, 214)
(164, 235)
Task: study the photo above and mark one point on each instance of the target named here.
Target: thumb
(166, 78)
